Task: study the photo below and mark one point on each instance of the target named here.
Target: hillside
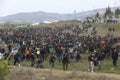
(26, 73)
(31, 17)
(42, 16)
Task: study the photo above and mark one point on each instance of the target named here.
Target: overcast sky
(8, 7)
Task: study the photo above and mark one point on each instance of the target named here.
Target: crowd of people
(55, 43)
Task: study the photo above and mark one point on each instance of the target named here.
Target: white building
(50, 21)
(36, 23)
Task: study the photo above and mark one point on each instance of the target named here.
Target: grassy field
(102, 28)
(26, 73)
(83, 65)
(76, 71)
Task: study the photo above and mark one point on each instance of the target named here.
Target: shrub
(3, 68)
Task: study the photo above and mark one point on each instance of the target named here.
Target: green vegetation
(59, 24)
(117, 13)
(77, 71)
(83, 65)
(102, 28)
(3, 69)
(74, 67)
(108, 13)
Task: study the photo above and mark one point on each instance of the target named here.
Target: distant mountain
(85, 14)
(42, 16)
(32, 17)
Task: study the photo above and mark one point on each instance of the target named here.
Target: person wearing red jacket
(91, 59)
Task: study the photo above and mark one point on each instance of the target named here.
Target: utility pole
(74, 15)
(114, 3)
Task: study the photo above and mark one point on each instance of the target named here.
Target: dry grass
(26, 73)
(102, 28)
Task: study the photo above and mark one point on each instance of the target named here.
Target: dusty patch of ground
(26, 73)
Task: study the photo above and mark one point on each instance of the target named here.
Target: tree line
(109, 13)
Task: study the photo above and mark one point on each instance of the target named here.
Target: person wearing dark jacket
(52, 61)
(39, 62)
(65, 61)
(78, 57)
(114, 56)
(91, 60)
(98, 59)
(17, 58)
(32, 59)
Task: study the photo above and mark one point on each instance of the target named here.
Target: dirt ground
(26, 73)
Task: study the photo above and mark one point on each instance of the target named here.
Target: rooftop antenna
(68, 16)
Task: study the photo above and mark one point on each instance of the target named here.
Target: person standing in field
(39, 62)
(114, 56)
(38, 53)
(52, 61)
(17, 58)
(91, 59)
(32, 58)
(65, 61)
(99, 58)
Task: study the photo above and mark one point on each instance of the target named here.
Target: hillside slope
(26, 73)
(42, 16)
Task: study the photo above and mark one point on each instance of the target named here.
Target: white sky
(8, 7)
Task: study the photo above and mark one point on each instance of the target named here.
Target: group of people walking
(41, 44)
